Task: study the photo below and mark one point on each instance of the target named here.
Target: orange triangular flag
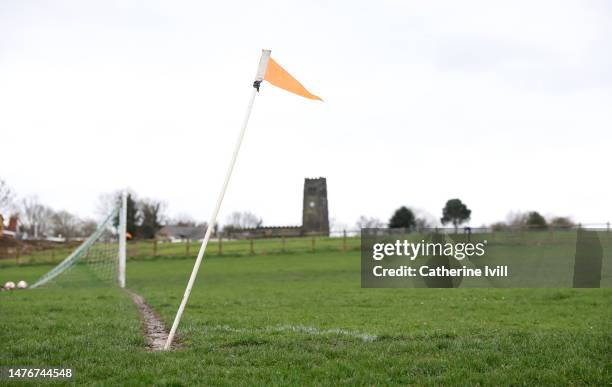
(279, 77)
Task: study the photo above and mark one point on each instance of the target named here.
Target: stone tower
(315, 218)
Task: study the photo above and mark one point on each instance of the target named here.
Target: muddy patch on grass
(155, 330)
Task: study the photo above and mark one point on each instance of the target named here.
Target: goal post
(99, 259)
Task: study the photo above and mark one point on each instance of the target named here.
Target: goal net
(98, 261)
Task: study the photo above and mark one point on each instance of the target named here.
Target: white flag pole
(261, 71)
(122, 238)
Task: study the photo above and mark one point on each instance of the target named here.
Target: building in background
(10, 231)
(315, 216)
(181, 233)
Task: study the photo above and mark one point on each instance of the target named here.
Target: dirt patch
(154, 328)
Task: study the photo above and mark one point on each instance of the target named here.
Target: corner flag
(272, 72)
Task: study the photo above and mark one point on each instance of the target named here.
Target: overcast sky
(506, 105)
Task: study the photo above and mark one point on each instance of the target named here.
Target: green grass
(236, 329)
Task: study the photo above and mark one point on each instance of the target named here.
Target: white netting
(94, 262)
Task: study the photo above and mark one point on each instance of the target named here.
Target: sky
(505, 105)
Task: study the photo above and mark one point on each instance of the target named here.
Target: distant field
(302, 318)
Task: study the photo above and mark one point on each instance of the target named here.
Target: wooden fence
(151, 249)
(24, 252)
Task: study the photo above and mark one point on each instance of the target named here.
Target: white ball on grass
(9, 285)
(22, 285)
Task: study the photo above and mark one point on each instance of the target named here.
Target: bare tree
(7, 197)
(65, 224)
(337, 226)
(243, 219)
(106, 203)
(36, 219)
(86, 227)
(369, 222)
(424, 220)
(423, 224)
(516, 219)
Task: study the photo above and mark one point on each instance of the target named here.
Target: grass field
(303, 319)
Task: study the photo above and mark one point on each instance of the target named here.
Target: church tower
(315, 217)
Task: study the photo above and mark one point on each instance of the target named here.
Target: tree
(132, 220)
(422, 224)
(86, 227)
(561, 222)
(244, 219)
(65, 224)
(455, 212)
(424, 220)
(108, 202)
(403, 217)
(335, 224)
(516, 219)
(499, 226)
(36, 219)
(144, 217)
(535, 220)
(369, 222)
(151, 213)
(6, 197)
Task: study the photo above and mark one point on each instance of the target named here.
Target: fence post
(187, 246)
(154, 247)
(283, 244)
(220, 244)
(608, 227)
(313, 244)
(344, 240)
(252, 246)
(17, 253)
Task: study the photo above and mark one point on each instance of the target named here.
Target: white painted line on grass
(365, 337)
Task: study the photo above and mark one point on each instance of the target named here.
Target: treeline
(39, 221)
(456, 213)
(145, 217)
(533, 220)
